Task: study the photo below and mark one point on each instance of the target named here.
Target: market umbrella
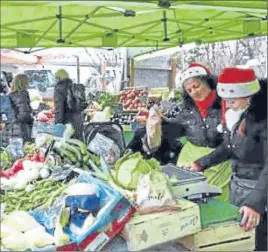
(128, 23)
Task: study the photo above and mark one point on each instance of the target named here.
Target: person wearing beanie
(67, 108)
(197, 119)
(244, 125)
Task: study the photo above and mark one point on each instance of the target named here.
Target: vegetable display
(123, 118)
(131, 99)
(29, 149)
(73, 152)
(5, 159)
(42, 194)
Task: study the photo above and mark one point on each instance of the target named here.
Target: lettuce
(130, 167)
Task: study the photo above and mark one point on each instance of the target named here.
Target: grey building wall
(152, 73)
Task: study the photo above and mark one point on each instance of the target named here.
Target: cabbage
(20, 221)
(130, 167)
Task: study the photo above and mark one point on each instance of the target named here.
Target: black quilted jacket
(62, 115)
(189, 124)
(247, 152)
(23, 120)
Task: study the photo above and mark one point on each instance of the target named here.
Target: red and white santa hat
(235, 83)
(194, 70)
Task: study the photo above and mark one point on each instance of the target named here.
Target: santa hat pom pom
(220, 128)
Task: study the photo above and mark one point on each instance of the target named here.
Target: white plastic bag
(15, 242)
(20, 221)
(154, 193)
(154, 128)
(38, 237)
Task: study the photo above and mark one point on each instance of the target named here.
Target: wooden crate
(228, 236)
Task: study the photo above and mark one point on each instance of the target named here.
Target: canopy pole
(59, 16)
(45, 33)
(164, 20)
(77, 68)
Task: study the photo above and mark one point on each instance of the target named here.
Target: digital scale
(191, 185)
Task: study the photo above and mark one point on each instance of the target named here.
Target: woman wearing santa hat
(197, 120)
(244, 125)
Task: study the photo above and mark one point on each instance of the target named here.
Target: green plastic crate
(218, 211)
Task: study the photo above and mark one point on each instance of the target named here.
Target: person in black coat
(197, 119)
(244, 126)
(69, 102)
(167, 153)
(21, 125)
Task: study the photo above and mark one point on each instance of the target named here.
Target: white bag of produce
(15, 242)
(154, 193)
(20, 221)
(154, 128)
(8, 231)
(38, 237)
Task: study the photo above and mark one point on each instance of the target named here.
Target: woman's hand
(194, 167)
(251, 218)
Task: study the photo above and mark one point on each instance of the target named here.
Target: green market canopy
(129, 23)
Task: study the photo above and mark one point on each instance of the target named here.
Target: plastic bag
(105, 147)
(16, 242)
(108, 199)
(154, 193)
(21, 221)
(68, 132)
(154, 128)
(38, 237)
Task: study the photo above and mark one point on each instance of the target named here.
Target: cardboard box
(227, 236)
(144, 231)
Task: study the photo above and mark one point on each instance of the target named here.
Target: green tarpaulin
(129, 23)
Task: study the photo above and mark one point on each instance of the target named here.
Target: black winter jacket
(248, 152)
(167, 153)
(189, 124)
(23, 120)
(62, 114)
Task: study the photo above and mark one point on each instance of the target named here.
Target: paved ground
(119, 244)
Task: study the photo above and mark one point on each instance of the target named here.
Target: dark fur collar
(258, 107)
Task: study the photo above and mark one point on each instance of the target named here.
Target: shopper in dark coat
(197, 120)
(244, 126)
(22, 123)
(167, 153)
(69, 103)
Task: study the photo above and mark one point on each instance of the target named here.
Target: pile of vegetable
(130, 167)
(43, 193)
(73, 152)
(29, 148)
(142, 116)
(131, 99)
(176, 96)
(105, 99)
(5, 159)
(123, 118)
(18, 165)
(46, 116)
(127, 171)
(20, 231)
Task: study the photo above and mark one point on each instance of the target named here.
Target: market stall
(60, 193)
